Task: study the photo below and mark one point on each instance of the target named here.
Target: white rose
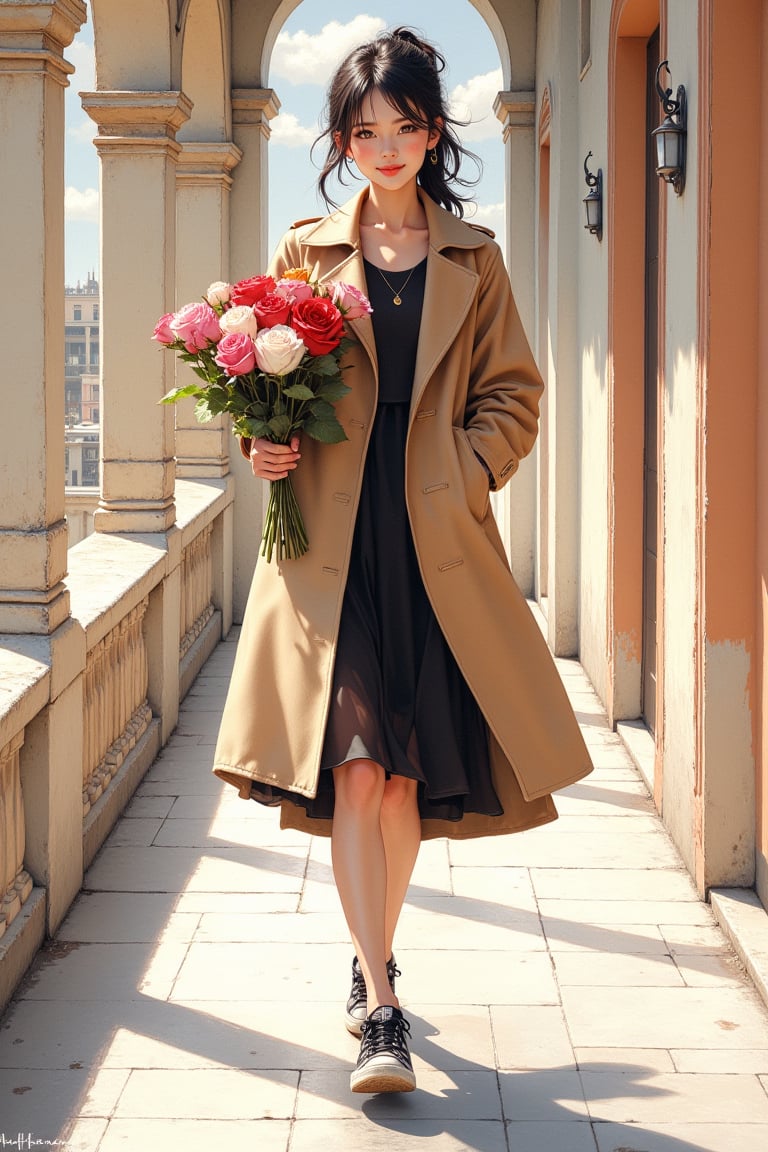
(279, 350)
(218, 293)
(239, 319)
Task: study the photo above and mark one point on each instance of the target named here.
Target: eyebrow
(375, 123)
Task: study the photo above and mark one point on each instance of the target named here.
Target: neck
(396, 211)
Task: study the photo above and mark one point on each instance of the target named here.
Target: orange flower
(296, 274)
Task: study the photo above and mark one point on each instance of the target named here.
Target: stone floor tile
(399, 1135)
(265, 972)
(542, 1094)
(622, 884)
(604, 798)
(84, 1135)
(530, 1036)
(610, 912)
(509, 887)
(209, 1094)
(628, 1061)
(291, 928)
(553, 1136)
(40, 1101)
(745, 1137)
(112, 917)
(626, 938)
(695, 940)
(104, 1090)
(457, 922)
(616, 969)
(711, 971)
(196, 1135)
(710, 1018)
(750, 1060)
(225, 869)
(123, 971)
(440, 1096)
(466, 977)
(224, 832)
(142, 806)
(669, 1098)
(447, 1038)
(602, 849)
(140, 831)
(246, 903)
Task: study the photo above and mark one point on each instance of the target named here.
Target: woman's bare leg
(401, 833)
(360, 870)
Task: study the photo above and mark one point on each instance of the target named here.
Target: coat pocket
(477, 487)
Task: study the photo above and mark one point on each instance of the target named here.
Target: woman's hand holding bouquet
(269, 352)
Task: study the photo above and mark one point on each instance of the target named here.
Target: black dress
(398, 696)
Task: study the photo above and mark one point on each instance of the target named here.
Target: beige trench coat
(476, 390)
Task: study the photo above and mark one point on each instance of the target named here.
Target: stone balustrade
(147, 609)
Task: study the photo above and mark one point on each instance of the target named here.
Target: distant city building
(81, 455)
(81, 347)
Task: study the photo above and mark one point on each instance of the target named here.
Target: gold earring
(433, 156)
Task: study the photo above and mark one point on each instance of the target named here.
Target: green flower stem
(283, 526)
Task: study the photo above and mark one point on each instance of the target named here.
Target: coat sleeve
(502, 410)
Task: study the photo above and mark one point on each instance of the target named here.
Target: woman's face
(388, 149)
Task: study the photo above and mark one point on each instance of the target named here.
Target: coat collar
(343, 226)
(449, 290)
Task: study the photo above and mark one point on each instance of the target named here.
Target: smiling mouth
(390, 169)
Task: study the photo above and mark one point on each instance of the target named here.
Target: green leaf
(324, 366)
(254, 428)
(280, 427)
(177, 393)
(203, 411)
(322, 410)
(332, 390)
(299, 392)
(327, 431)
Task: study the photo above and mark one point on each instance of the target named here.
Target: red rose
(319, 324)
(251, 290)
(272, 309)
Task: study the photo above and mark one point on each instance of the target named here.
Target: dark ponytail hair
(406, 70)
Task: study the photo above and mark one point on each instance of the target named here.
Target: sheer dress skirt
(398, 696)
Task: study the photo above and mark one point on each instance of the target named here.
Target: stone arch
(203, 26)
(137, 45)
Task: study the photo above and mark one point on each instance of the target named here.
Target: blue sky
(309, 46)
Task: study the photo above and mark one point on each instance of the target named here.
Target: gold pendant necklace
(396, 297)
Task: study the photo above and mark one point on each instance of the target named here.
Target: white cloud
(81, 205)
(490, 216)
(310, 58)
(287, 130)
(83, 57)
(474, 101)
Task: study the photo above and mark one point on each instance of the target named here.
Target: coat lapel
(448, 294)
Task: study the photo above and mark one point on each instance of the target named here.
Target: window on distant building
(95, 311)
(78, 312)
(585, 34)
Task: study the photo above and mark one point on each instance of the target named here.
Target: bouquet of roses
(269, 353)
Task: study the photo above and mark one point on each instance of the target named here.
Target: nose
(388, 148)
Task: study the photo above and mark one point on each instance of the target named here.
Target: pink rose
(236, 354)
(278, 350)
(294, 290)
(162, 332)
(319, 323)
(349, 300)
(250, 291)
(196, 325)
(272, 309)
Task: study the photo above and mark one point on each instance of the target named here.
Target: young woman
(392, 685)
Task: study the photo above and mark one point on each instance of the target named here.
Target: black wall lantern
(593, 201)
(670, 134)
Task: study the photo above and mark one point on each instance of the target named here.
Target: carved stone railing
(196, 589)
(15, 882)
(116, 712)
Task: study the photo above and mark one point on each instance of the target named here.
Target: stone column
(203, 182)
(517, 514)
(252, 109)
(33, 531)
(138, 152)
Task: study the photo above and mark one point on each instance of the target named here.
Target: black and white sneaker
(384, 1064)
(357, 1005)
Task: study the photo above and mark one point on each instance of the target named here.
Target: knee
(399, 795)
(359, 785)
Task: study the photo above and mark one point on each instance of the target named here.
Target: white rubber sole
(353, 1025)
(382, 1074)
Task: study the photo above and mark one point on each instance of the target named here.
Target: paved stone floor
(567, 990)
